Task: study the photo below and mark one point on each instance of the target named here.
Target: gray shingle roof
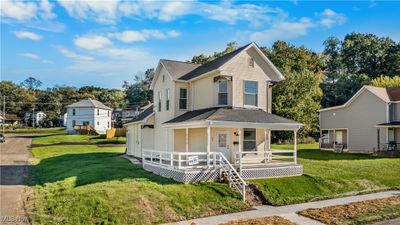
(143, 115)
(231, 114)
(177, 68)
(88, 103)
(212, 65)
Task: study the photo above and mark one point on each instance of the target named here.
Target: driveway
(15, 156)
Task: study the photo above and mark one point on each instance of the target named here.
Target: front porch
(334, 139)
(388, 137)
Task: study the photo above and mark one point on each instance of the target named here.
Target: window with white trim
(73, 112)
(167, 100)
(249, 139)
(159, 101)
(98, 112)
(183, 96)
(251, 62)
(223, 92)
(250, 93)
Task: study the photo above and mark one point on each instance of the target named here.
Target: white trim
(218, 71)
(187, 98)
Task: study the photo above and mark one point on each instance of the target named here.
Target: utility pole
(33, 117)
(4, 112)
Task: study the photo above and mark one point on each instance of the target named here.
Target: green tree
(31, 83)
(202, 58)
(139, 93)
(386, 82)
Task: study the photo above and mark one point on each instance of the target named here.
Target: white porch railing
(271, 157)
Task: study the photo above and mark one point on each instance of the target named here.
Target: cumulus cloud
(130, 36)
(329, 18)
(17, 10)
(27, 35)
(92, 42)
(72, 55)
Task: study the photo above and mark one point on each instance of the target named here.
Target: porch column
(378, 147)
(208, 145)
(240, 151)
(265, 146)
(187, 139)
(295, 147)
(166, 139)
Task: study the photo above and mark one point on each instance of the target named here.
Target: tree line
(313, 80)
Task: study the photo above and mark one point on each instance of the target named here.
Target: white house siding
(102, 120)
(134, 140)
(88, 114)
(160, 143)
(360, 118)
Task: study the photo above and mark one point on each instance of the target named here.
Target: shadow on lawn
(328, 155)
(91, 168)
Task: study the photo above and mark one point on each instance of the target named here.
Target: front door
(222, 144)
(339, 137)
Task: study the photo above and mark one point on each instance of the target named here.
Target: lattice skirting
(189, 176)
(195, 176)
(270, 172)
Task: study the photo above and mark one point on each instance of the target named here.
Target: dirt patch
(270, 220)
(334, 215)
(254, 196)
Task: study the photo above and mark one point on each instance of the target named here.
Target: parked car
(2, 138)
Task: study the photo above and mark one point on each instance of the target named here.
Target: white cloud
(329, 18)
(27, 35)
(72, 55)
(92, 42)
(30, 55)
(283, 30)
(130, 36)
(17, 10)
(46, 10)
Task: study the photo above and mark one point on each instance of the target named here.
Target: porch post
(295, 147)
(166, 139)
(208, 145)
(240, 151)
(187, 139)
(265, 146)
(378, 147)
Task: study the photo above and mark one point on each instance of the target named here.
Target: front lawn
(86, 184)
(60, 138)
(329, 175)
(31, 130)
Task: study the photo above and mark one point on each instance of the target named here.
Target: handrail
(231, 167)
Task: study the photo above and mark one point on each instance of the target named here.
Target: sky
(104, 43)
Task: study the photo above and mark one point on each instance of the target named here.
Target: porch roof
(391, 124)
(235, 117)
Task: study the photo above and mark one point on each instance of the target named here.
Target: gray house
(368, 122)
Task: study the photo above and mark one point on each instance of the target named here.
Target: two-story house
(368, 122)
(88, 112)
(34, 119)
(212, 116)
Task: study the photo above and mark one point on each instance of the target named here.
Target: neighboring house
(11, 119)
(368, 122)
(213, 119)
(89, 112)
(34, 118)
(128, 114)
(63, 119)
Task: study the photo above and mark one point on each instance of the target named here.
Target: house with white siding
(88, 112)
(368, 122)
(213, 120)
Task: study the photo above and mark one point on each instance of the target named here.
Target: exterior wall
(396, 107)
(100, 122)
(164, 140)
(360, 118)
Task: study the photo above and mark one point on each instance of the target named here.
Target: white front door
(339, 137)
(222, 144)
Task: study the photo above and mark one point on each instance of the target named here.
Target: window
(163, 78)
(167, 100)
(98, 123)
(73, 112)
(183, 94)
(108, 113)
(250, 93)
(223, 92)
(98, 112)
(249, 139)
(251, 62)
(108, 124)
(159, 101)
(73, 123)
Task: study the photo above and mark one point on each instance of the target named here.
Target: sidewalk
(288, 212)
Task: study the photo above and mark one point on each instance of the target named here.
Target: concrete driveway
(15, 156)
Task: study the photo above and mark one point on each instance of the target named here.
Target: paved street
(15, 157)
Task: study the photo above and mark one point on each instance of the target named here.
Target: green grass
(30, 130)
(57, 138)
(387, 213)
(329, 175)
(86, 184)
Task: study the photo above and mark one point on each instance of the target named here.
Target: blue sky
(103, 43)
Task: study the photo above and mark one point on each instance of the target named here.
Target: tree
(202, 58)
(31, 83)
(386, 82)
(139, 93)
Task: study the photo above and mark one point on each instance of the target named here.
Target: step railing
(234, 178)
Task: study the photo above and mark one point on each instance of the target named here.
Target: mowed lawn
(62, 138)
(330, 175)
(87, 184)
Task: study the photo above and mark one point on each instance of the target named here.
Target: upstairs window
(108, 113)
(249, 139)
(163, 78)
(223, 92)
(98, 112)
(159, 101)
(250, 93)
(73, 112)
(251, 62)
(167, 100)
(183, 95)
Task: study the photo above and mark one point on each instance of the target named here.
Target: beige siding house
(214, 119)
(368, 122)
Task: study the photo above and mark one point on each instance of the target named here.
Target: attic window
(163, 78)
(251, 62)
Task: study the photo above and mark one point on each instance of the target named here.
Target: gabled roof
(186, 71)
(144, 115)
(229, 114)
(89, 103)
(385, 94)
